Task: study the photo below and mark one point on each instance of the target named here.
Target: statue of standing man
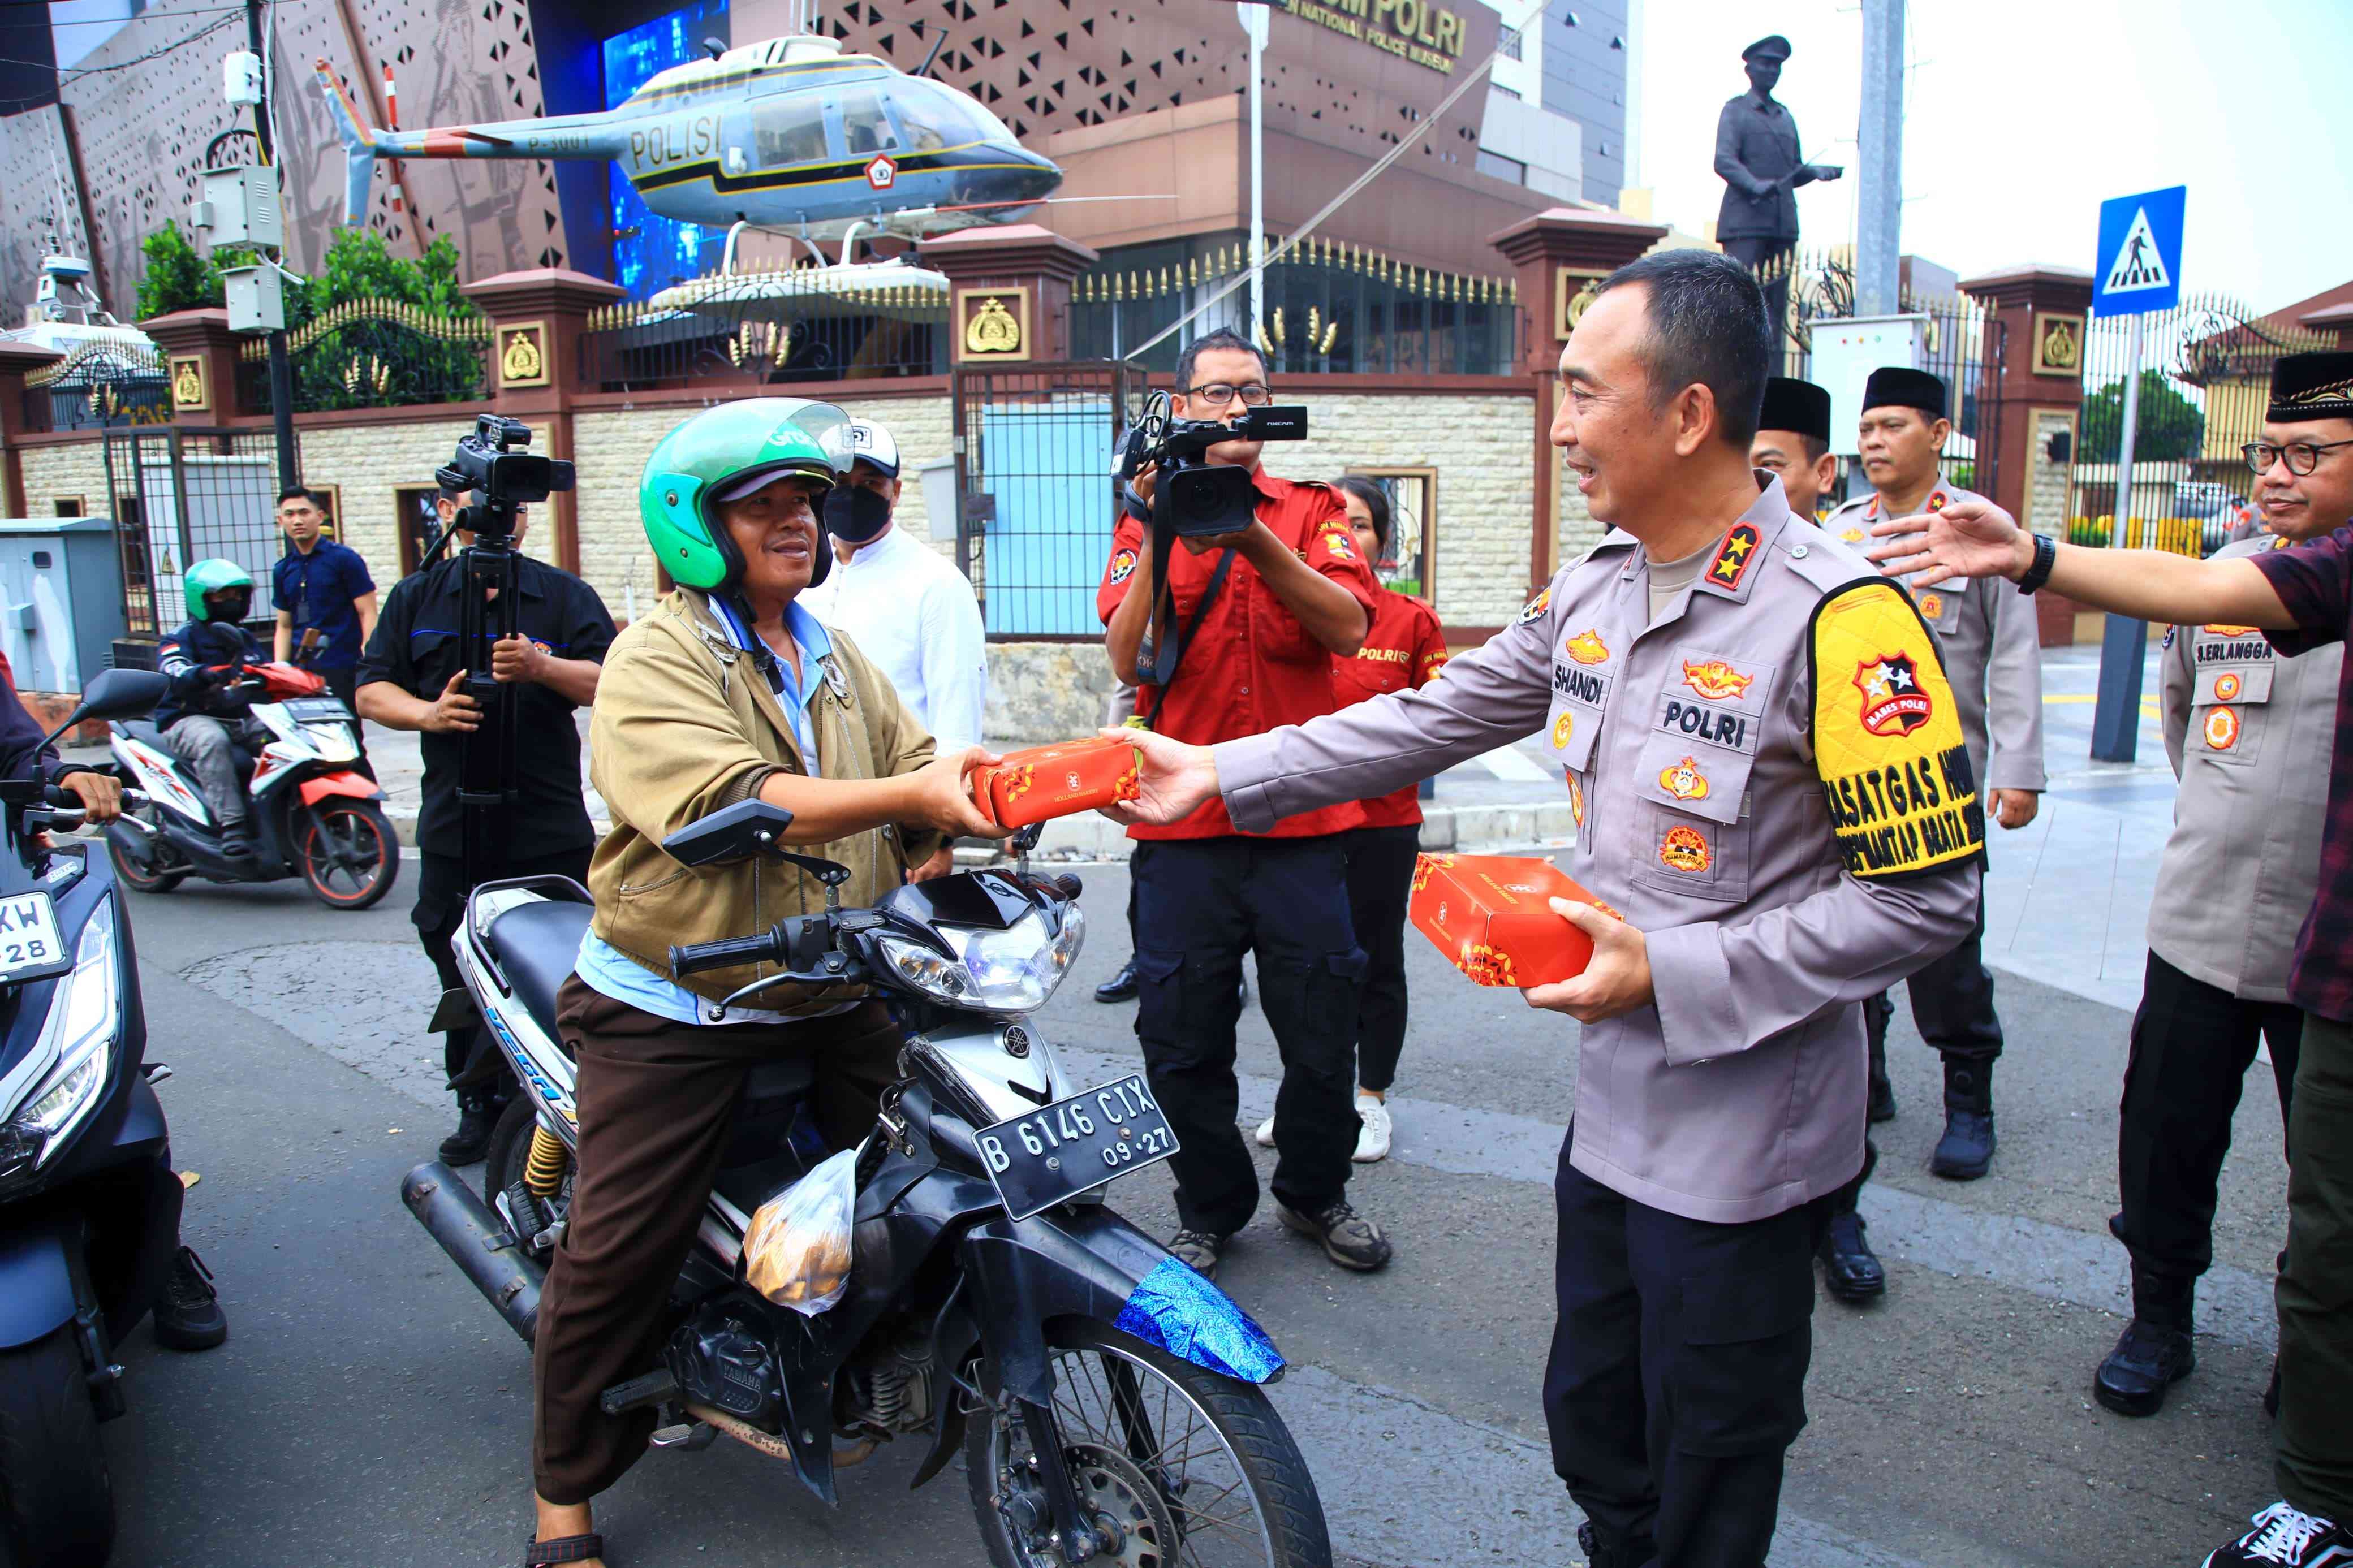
(1757, 154)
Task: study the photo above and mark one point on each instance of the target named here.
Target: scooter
(89, 1206)
(1108, 1401)
(313, 816)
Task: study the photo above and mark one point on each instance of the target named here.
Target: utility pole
(2123, 639)
(282, 370)
(1254, 23)
(1879, 221)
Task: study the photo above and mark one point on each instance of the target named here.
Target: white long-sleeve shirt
(913, 614)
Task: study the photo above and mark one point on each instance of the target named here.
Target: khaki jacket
(2250, 734)
(1768, 780)
(684, 724)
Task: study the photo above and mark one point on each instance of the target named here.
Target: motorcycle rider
(726, 690)
(204, 719)
(187, 1314)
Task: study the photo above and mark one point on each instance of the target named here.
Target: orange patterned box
(1062, 779)
(1489, 914)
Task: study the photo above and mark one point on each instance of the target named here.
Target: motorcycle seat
(536, 945)
(145, 733)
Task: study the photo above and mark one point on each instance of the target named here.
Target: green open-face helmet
(725, 451)
(210, 577)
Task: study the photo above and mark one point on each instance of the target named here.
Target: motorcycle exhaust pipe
(135, 839)
(477, 1242)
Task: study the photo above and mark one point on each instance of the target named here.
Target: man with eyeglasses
(1249, 629)
(2302, 599)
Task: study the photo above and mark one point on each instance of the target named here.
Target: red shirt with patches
(1252, 667)
(1403, 651)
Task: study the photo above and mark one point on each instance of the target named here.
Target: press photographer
(1263, 586)
(414, 676)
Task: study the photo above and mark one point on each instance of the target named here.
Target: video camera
(501, 479)
(1194, 498)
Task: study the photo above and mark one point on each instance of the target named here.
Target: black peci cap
(1895, 386)
(1799, 406)
(1771, 46)
(2311, 386)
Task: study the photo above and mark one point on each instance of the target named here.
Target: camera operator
(412, 677)
(207, 716)
(1256, 616)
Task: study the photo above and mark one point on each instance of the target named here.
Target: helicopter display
(790, 134)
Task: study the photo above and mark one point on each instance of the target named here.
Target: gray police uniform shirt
(1992, 648)
(1789, 841)
(2251, 735)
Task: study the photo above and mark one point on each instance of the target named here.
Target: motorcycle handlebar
(695, 957)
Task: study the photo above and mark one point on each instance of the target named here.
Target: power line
(64, 71)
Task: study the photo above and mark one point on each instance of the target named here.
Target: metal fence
(749, 330)
(2205, 381)
(1330, 307)
(372, 354)
(181, 495)
(99, 383)
(1033, 474)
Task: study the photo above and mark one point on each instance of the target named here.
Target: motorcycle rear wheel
(526, 1214)
(56, 1499)
(349, 855)
(1228, 1473)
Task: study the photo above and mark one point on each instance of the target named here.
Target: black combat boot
(1966, 1150)
(1119, 987)
(1851, 1270)
(1876, 1015)
(2154, 1353)
(477, 1117)
(1601, 1553)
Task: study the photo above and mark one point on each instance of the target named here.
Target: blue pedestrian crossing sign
(2140, 254)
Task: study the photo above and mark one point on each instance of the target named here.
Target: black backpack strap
(1167, 657)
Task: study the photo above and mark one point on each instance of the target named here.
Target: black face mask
(855, 513)
(228, 606)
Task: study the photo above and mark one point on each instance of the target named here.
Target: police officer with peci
(412, 677)
(2250, 732)
(1776, 801)
(1993, 654)
(1256, 617)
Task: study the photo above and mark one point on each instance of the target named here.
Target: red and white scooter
(314, 815)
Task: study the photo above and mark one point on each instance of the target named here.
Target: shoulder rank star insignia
(1586, 647)
(1536, 608)
(1715, 680)
(1684, 781)
(1893, 702)
(1937, 501)
(1734, 555)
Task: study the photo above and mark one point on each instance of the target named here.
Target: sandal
(563, 1549)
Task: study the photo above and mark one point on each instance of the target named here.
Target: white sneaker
(1373, 1142)
(1266, 1133)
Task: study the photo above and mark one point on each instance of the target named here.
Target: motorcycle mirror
(738, 832)
(116, 694)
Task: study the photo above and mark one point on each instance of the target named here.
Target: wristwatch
(2046, 553)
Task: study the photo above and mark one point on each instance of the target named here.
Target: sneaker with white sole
(1373, 1140)
(1266, 1133)
(2285, 1538)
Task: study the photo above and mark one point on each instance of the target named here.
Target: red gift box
(1046, 781)
(1491, 915)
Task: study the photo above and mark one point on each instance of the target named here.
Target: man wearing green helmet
(726, 690)
(205, 718)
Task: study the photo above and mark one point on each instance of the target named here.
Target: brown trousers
(657, 1101)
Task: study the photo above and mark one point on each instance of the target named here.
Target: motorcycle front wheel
(56, 1499)
(348, 852)
(1182, 1468)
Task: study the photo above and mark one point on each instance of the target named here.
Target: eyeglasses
(1257, 394)
(2303, 457)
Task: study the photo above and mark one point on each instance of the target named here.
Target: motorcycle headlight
(85, 1014)
(1009, 970)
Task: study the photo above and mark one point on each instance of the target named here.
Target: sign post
(2139, 272)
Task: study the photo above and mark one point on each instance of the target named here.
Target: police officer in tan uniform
(2250, 732)
(1775, 803)
(1992, 652)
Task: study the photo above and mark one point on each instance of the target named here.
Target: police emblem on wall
(992, 323)
(522, 354)
(188, 383)
(2058, 344)
(1573, 289)
(1893, 702)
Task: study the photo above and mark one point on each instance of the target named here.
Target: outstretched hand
(1174, 780)
(1967, 539)
(1617, 980)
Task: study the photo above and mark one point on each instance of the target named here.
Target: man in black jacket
(204, 719)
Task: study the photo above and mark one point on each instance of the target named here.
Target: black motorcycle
(89, 1206)
(1106, 1398)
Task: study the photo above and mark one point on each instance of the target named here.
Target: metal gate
(1034, 449)
(181, 495)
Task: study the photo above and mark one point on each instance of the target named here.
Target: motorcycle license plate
(317, 711)
(1058, 1151)
(30, 947)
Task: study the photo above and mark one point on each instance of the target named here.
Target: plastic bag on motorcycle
(797, 1253)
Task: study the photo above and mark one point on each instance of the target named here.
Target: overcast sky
(2022, 115)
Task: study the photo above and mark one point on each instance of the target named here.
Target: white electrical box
(241, 78)
(257, 300)
(239, 207)
(1846, 351)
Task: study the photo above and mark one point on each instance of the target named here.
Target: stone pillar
(199, 364)
(2335, 321)
(16, 361)
(1008, 292)
(1559, 256)
(533, 366)
(2035, 393)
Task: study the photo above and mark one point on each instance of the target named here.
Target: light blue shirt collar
(795, 690)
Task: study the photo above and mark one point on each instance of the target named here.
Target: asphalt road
(370, 1409)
